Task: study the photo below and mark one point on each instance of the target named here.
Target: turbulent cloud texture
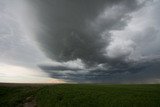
(75, 29)
(114, 41)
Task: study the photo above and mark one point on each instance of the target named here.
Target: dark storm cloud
(136, 73)
(57, 68)
(85, 29)
(72, 29)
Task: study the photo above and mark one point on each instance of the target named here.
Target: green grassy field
(80, 95)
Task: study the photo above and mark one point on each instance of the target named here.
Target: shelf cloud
(113, 39)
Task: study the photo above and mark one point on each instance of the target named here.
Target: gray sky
(111, 41)
(19, 53)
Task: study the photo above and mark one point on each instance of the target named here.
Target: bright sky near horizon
(19, 54)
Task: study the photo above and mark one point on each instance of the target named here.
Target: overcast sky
(91, 41)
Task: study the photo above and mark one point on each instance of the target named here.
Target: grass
(82, 95)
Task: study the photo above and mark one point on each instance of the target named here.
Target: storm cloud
(146, 71)
(75, 29)
(110, 41)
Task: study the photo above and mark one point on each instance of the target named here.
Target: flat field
(79, 95)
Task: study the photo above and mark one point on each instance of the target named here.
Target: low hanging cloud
(146, 71)
(114, 40)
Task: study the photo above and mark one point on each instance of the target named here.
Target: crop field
(79, 95)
